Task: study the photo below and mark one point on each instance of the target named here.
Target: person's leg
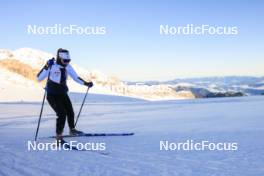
(70, 116)
(70, 112)
(56, 102)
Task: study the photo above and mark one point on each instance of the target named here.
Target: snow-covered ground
(15, 87)
(238, 120)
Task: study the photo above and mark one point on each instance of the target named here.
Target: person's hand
(49, 63)
(89, 84)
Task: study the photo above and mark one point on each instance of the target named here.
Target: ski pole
(81, 107)
(42, 106)
(40, 115)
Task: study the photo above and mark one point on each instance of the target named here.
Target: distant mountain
(216, 86)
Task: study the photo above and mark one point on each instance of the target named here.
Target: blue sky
(133, 49)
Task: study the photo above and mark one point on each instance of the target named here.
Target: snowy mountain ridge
(27, 62)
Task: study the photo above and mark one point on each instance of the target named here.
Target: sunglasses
(66, 60)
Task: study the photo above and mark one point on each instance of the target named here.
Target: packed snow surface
(237, 120)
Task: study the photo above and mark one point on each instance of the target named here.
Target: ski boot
(59, 140)
(74, 132)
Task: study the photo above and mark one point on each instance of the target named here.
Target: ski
(96, 135)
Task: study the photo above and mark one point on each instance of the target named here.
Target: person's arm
(74, 75)
(76, 78)
(44, 72)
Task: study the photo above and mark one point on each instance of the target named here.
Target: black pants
(62, 105)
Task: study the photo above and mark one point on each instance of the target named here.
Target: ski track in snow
(219, 120)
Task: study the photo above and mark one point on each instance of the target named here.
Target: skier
(57, 90)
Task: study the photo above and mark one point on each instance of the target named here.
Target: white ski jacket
(57, 81)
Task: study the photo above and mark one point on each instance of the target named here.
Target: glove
(49, 63)
(89, 84)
